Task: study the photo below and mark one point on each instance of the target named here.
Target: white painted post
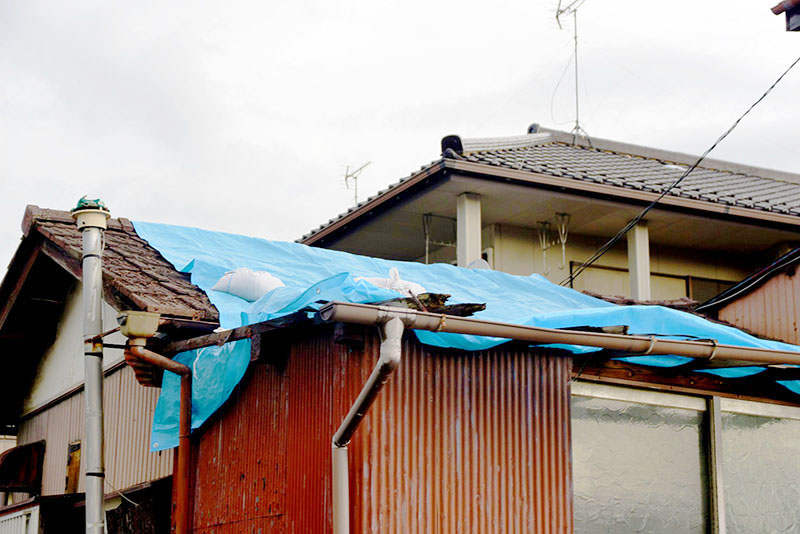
(468, 231)
(639, 261)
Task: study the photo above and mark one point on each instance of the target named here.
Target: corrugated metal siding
(239, 475)
(456, 442)
(771, 310)
(128, 414)
(23, 522)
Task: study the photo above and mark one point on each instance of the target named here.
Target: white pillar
(468, 231)
(639, 261)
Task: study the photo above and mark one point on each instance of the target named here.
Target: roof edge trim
(626, 194)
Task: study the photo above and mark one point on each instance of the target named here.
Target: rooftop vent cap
(453, 142)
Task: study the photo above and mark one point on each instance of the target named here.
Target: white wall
(61, 368)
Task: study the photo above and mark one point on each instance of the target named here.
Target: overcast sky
(241, 116)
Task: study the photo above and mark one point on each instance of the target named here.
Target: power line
(778, 265)
(619, 235)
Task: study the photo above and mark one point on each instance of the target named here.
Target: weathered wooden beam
(16, 288)
(65, 261)
(235, 334)
(760, 388)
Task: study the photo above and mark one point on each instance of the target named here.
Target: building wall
(128, 413)
(456, 442)
(771, 310)
(61, 368)
(517, 250)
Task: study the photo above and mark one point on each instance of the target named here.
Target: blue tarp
(313, 275)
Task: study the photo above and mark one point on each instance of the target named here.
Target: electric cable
(776, 266)
(619, 235)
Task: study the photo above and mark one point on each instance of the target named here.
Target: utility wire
(778, 265)
(619, 235)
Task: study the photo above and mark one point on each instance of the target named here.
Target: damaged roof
(135, 275)
(573, 160)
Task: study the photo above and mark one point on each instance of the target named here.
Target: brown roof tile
(131, 267)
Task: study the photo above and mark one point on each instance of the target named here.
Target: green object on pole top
(90, 204)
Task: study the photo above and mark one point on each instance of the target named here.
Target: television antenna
(571, 8)
(353, 176)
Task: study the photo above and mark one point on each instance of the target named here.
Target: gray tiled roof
(558, 158)
(633, 167)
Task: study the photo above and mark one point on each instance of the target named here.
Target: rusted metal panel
(239, 475)
(128, 419)
(456, 442)
(770, 310)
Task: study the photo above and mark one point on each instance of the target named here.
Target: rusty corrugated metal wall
(770, 310)
(456, 442)
(128, 410)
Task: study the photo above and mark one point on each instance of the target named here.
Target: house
(545, 201)
(41, 337)
(504, 421)
(467, 433)
(792, 10)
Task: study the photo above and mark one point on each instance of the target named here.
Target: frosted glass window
(761, 473)
(638, 468)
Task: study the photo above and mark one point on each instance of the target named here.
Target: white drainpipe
(388, 361)
(92, 223)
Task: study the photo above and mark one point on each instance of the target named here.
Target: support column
(639, 261)
(468, 231)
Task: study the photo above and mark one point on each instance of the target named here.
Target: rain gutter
(708, 350)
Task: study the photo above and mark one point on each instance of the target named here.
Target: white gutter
(709, 350)
(388, 361)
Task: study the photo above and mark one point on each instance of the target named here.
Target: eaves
(439, 170)
(627, 195)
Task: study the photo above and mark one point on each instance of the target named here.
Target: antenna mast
(353, 175)
(572, 9)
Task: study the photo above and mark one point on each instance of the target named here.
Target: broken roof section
(315, 276)
(717, 186)
(135, 275)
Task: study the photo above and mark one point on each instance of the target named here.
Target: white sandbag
(247, 284)
(395, 283)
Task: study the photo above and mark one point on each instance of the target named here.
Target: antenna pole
(577, 109)
(354, 176)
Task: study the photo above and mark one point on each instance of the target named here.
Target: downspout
(134, 355)
(390, 354)
(91, 218)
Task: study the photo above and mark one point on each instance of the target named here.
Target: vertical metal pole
(577, 110)
(182, 515)
(92, 224)
(716, 486)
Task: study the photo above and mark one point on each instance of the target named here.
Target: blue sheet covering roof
(313, 275)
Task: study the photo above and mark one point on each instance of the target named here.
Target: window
(641, 462)
(638, 462)
(761, 467)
